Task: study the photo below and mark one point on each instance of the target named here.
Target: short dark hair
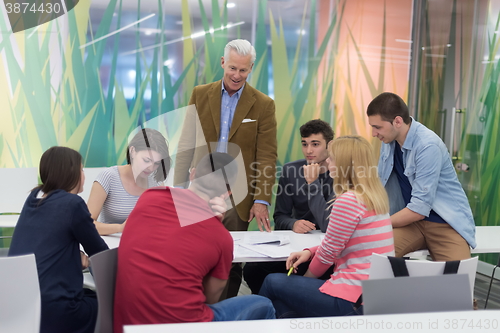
(148, 138)
(317, 126)
(60, 169)
(388, 106)
(209, 180)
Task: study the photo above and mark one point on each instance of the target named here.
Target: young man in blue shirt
(429, 208)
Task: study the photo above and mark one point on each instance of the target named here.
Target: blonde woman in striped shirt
(359, 226)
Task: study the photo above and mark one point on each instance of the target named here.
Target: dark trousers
(70, 315)
(255, 273)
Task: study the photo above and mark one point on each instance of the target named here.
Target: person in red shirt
(175, 255)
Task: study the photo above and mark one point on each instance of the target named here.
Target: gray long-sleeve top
(297, 200)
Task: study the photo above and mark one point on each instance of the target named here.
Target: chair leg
(489, 289)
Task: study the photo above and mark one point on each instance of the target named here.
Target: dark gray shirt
(297, 200)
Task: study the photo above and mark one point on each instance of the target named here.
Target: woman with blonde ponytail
(359, 225)
(353, 168)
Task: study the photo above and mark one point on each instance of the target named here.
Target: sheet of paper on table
(271, 250)
(263, 238)
(240, 251)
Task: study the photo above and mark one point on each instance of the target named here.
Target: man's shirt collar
(410, 136)
(238, 92)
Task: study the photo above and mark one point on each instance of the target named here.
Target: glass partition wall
(456, 93)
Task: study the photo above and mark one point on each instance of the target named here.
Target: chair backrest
(413, 294)
(103, 265)
(90, 175)
(380, 268)
(421, 286)
(16, 186)
(20, 303)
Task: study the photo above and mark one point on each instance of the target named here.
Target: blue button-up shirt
(227, 108)
(433, 179)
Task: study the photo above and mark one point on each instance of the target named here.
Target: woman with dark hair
(53, 223)
(117, 189)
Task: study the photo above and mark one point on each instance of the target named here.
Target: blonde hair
(356, 171)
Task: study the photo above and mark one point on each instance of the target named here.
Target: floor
(480, 290)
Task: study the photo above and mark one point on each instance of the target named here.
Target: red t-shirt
(170, 243)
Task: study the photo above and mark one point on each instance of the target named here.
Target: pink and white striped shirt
(353, 234)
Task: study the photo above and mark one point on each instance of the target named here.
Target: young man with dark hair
(429, 208)
(175, 254)
(305, 188)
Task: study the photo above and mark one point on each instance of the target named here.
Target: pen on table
(290, 271)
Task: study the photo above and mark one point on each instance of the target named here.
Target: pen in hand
(290, 271)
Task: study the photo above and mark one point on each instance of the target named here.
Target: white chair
(380, 268)
(103, 266)
(19, 294)
(16, 186)
(90, 175)
(419, 286)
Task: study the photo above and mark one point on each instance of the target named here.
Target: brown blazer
(256, 139)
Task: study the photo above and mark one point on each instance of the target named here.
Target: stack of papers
(264, 245)
(240, 252)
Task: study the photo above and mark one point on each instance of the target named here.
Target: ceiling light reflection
(192, 36)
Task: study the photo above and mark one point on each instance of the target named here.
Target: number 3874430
(25, 7)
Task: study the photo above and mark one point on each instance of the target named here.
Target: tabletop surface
(486, 236)
(459, 321)
(297, 242)
(8, 221)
